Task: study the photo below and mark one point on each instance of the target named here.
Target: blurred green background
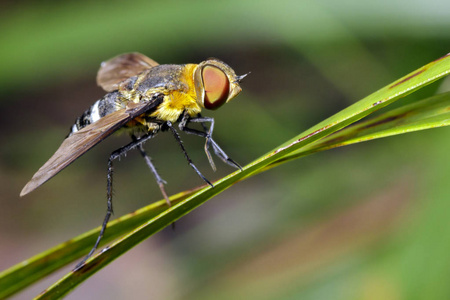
(370, 221)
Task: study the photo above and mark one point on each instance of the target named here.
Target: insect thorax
(176, 83)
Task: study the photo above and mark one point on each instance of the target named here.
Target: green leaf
(21, 275)
(425, 114)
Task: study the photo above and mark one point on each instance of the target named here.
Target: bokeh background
(369, 221)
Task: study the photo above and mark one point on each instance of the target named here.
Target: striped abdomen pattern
(99, 109)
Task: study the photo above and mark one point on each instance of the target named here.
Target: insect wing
(81, 141)
(122, 67)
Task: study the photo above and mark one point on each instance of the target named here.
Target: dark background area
(368, 221)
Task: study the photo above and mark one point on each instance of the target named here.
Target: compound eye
(217, 87)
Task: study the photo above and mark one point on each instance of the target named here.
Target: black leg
(178, 139)
(207, 134)
(109, 211)
(158, 178)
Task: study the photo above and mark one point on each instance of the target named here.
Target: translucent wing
(81, 141)
(122, 67)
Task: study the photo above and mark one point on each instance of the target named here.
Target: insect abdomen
(99, 109)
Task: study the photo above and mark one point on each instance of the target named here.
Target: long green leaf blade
(24, 274)
(425, 114)
(387, 95)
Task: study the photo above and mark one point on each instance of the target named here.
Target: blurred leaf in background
(363, 222)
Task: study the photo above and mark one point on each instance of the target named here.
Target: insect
(145, 98)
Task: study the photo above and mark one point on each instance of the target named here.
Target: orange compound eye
(217, 87)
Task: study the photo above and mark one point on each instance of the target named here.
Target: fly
(145, 98)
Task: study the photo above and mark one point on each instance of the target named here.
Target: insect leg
(178, 139)
(183, 126)
(209, 140)
(109, 182)
(159, 180)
